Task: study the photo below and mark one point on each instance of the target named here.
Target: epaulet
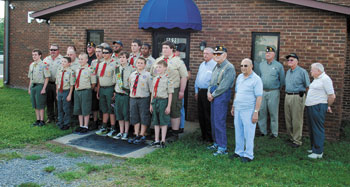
(89, 65)
(45, 62)
(112, 60)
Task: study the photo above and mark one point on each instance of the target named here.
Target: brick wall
(24, 37)
(313, 34)
(346, 100)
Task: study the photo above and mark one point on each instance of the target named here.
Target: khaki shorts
(176, 104)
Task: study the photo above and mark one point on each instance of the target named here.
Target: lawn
(187, 162)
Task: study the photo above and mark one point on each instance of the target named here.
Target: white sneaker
(118, 136)
(309, 151)
(125, 136)
(111, 133)
(315, 156)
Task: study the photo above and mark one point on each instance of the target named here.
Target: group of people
(256, 98)
(126, 88)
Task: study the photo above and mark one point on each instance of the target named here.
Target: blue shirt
(247, 90)
(272, 75)
(297, 80)
(204, 75)
(226, 81)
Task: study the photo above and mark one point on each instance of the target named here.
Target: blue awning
(183, 14)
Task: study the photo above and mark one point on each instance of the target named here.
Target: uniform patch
(144, 76)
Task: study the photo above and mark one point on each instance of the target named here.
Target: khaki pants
(294, 115)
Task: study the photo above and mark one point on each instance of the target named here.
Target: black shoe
(41, 123)
(181, 130)
(50, 120)
(294, 145)
(84, 130)
(288, 140)
(94, 126)
(64, 127)
(259, 134)
(132, 140)
(272, 136)
(36, 123)
(162, 144)
(234, 156)
(155, 144)
(78, 129)
(245, 159)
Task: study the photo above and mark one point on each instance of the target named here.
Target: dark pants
(218, 119)
(315, 117)
(51, 101)
(63, 109)
(204, 114)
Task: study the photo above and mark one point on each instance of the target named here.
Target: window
(95, 36)
(260, 41)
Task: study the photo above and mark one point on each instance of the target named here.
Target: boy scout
(135, 51)
(54, 61)
(38, 74)
(178, 76)
(105, 74)
(146, 53)
(140, 83)
(65, 81)
(161, 102)
(85, 81)
(95, 103)
(121, 95)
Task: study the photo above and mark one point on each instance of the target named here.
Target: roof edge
(320, 5)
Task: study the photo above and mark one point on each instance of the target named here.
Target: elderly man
(90, 49)
(272, 76)
(219, 94)
(201, 88)
(245, 109)
(54, 63)
(319, 99)
(75, 61)
(297, 80)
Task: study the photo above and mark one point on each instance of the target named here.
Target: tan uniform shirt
(107, 78)
(87, 77)
(115, 58)
(68, 78)
(75, 65)
(38, 71)
(143, 86)
(122, 75)
(165, 86)
(135, 57)
(94, 64)
(55, 65)
(149, 63)
(176, 69)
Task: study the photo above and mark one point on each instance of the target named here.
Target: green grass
(9, 156)
(49, 169)
(29, 184)
(16, 116)
(71, 175)
(55, 148)
(33, 157)
(73, 154)
(89, 168)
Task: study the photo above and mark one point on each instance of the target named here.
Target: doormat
(106, 144)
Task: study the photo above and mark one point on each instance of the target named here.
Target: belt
(292, 93)
(203, 89)
(267, 90)
(36, 84)
(50, 82)
(106, 86)
(121, 94)
(84, 89)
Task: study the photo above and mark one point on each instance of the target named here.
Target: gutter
(6, 42)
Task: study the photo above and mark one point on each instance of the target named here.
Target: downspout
(6, 54)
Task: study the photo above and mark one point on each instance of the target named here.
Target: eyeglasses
(218, 54)
(105, 52)
(245, 65)
(53, 49)
(290, 60)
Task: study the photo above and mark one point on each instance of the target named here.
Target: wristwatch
(256, 111)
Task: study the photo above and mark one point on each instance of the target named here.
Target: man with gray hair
(201, 88)
(319, 99)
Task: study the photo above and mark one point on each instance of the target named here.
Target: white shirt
(319, 89)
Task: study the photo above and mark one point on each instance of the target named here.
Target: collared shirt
(68, 78)
(297, 80)
(55, 65)
(150, 61)
(247, 90)
(94, 64)
(87, 77)
(204, 75)
(75, 65)
(107, 78)
(272, 75)
(165, 86)
(134, 57)
(227, 80)
(91, 58)
(319, 89)
(176, 69)
(121, 77)
(38, 72)
(144, 84)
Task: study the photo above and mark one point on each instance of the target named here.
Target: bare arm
(43, 91)
(183, 83)
(257, 107)
(330, 101)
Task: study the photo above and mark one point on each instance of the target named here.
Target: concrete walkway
(190, 127)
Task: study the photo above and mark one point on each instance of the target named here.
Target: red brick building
(317, 30)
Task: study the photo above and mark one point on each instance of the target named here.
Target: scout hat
(292, 55)
(118, 42)
(91, 44)
(220, 49)
(270, 49)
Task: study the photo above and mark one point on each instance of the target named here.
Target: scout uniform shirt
(68, 78)
(141, 87)
(176, 69)
(85, 77)
(162, 87)
(106, 71)
(149, 63)
(38, 71)
(133, 58)
(55, 65)
(95, 64)
(122, 75)
(75, 65)
(115, 58)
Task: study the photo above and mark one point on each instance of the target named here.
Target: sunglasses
(53, 49)
(290, 60)
(218, 54)
(245, 65)
(105, 52)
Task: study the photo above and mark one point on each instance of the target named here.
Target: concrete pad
(69, 140)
